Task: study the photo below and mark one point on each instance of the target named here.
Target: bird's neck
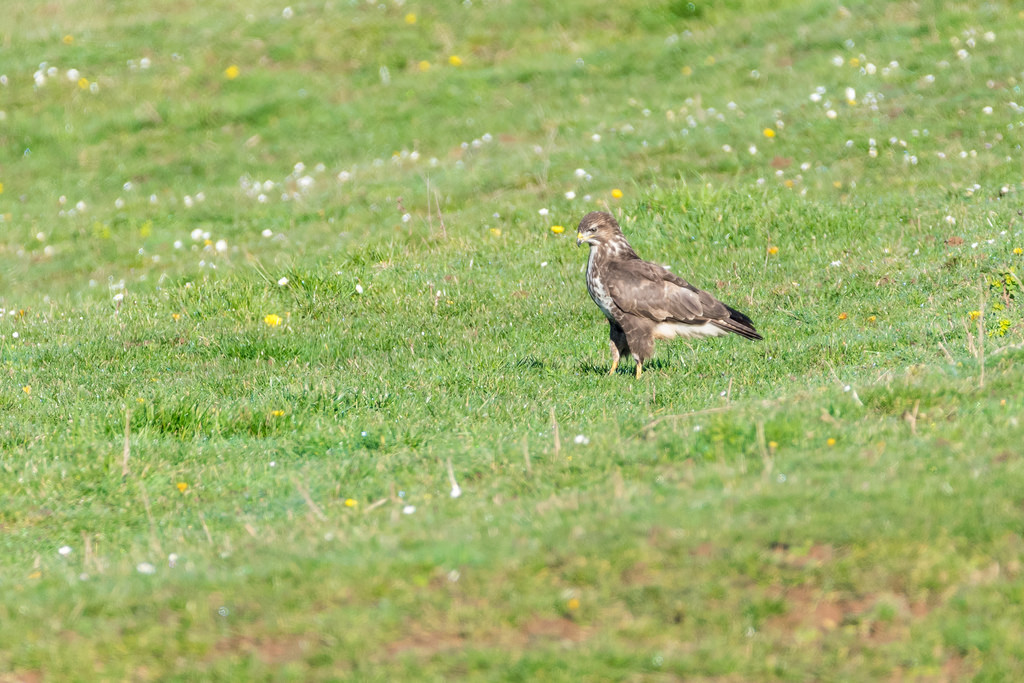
(615, 248)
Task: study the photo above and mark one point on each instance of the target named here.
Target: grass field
(300, 378)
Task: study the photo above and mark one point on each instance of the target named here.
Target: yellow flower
(83, 83)
(773, 445)
(773, 250)
(68, 39)
(557, 229)
(710, 61)
(455, 60)
(140, 400)
(573, 604)
(273, 320)
(27, 389)
(687, 71)
(410, 18)
(836, 184)
(975, 315)
(768, 133)
(617, 193)
(176, 316)
(277, 413)
(831, 441)
(1, 188)
(424, 65)
(351, 502)
(182, 486)
(789, 183)
(1018, 251)
(496, 232)
(854, 61)
(871, 318)
(842, 316)
(231, 73)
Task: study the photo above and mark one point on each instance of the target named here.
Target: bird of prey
(644, 301)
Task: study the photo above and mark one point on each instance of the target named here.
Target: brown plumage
(644, 301)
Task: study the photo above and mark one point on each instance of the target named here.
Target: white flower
(282, 282)
(118, 203)
(80, 206)
(408, 509)
(962, 54)
(543, 212)
(570, 195)
(836, 264)
(145, 568)
(406, 217)
(172, 560)
(752, 149)
(815, 97)
(145, 62)
(838, 61)
(119, 297)
(831, 114)
(986, 110)
(359, 288)
(726, 148)
(869, 69)
(287, 13)
(267, 232)
(456, 491)
(595, 137)
(581, 439)
(221, 246)
(951, 220)
(580, 173)
(344, 176)
(64, 550)
(73, 75)
(851, 95)
(188, 202)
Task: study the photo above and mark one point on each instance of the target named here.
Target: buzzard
(644, 301)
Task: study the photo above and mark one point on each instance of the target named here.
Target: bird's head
(598, 228)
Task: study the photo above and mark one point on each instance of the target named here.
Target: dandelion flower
(557, 229)
(573, 604)
(424, 65)
(496, 232)
(773, 445)
(273, 320)
(231, 73)
(768, 133)
(617, 193)
(1018, 251)
(975, 315)
(843, 316)
(410, 18)
(455, 60)
(277, 413)
(83, 83)
(351, 502)
(831, 441)
(182, 486)
(773, 250)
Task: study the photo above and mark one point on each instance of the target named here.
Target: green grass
(839, 502)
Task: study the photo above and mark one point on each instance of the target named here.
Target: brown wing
(649, 290)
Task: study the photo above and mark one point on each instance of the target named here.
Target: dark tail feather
(739, 324)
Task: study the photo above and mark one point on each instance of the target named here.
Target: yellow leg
(639, 369)
(615, 364)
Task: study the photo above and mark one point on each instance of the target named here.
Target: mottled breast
(598, 291)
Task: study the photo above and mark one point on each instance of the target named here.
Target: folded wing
(651, 291)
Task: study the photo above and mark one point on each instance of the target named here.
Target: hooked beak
(579, 238)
